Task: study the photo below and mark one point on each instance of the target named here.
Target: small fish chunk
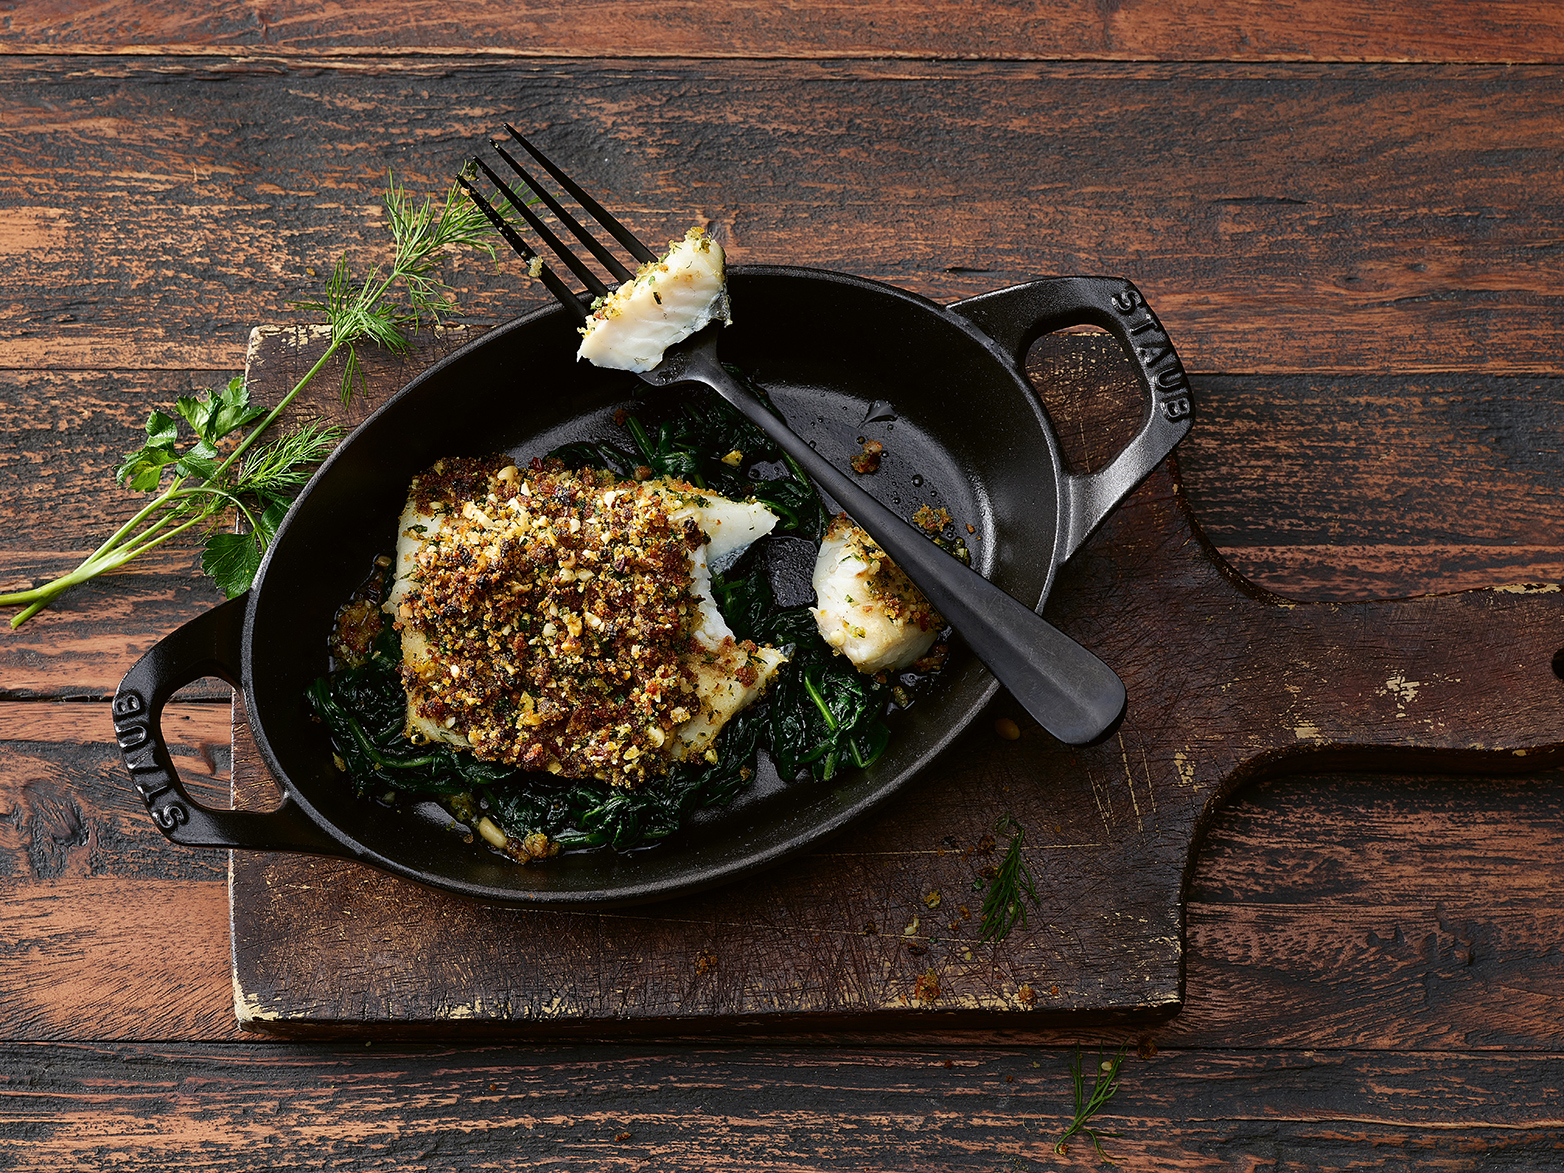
(671, 298)
(729, 675)
(867, 608)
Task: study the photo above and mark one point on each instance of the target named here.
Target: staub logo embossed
(138, 748)
(1152, 346)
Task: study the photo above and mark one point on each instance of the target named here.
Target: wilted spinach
(584, 813)
(691, 435)
(821, 711)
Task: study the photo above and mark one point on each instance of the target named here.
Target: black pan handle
(1016, 317)
(206, 646)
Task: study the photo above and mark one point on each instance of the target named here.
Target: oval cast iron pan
(968, 435)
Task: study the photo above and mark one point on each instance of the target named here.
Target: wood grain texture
(89, 885)
(950, 1107)
(107, 957)
(1391, 485)
(1429, 908)
(87, 640)
(1360, 264)
(1325, 912)
(1441, 30)
(70, 810)
(1282, 218)
(1226, 684)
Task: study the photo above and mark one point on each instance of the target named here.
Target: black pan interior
(966, 434)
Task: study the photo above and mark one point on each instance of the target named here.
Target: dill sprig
(255, 480)
(1004, 905)
(367, 311)
(1104, 1084)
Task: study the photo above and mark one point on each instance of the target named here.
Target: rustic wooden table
(1350, 223)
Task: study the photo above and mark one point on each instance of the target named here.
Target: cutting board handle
(1229, 682)
(1016, 317)
(1465, 681)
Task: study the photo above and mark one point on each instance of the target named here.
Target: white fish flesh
(867, 609)
(671, 298)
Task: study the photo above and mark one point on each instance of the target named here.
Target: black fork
(1066, 689)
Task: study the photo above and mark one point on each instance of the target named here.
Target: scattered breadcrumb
(931, 519)
(868, 460)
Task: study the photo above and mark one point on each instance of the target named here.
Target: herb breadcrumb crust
(561, 620)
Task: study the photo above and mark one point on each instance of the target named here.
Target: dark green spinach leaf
(365, 709)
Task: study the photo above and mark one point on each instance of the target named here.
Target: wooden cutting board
(878, 928)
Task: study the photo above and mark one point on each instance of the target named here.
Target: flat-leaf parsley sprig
(257, 479)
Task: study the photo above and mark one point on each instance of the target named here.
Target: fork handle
(1066, 689)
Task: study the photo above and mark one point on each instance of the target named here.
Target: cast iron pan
(968, 435)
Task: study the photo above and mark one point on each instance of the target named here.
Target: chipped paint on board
(249, 1008)
(1530, 588)
(1405, 691)
(1129, 781)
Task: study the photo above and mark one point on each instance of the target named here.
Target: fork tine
(593, 282)
(550, 279)
(605, 258)
(596, 210)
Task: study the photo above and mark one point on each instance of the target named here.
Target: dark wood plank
(1448, 473)
(1373, 487)
(1282, 218)
(1325, 912)
(1291, 938)
(73, 812)
(1378, 913)
(1441, 30)
(1227, 684)
(106, 930)
(842, 938)
(717, 1109)
(201, 731)
(85, 642)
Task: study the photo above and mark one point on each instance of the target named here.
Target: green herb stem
(813, 690)
(1104, 1084)
(1004, 905)
(248, 442)
(356, 312)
